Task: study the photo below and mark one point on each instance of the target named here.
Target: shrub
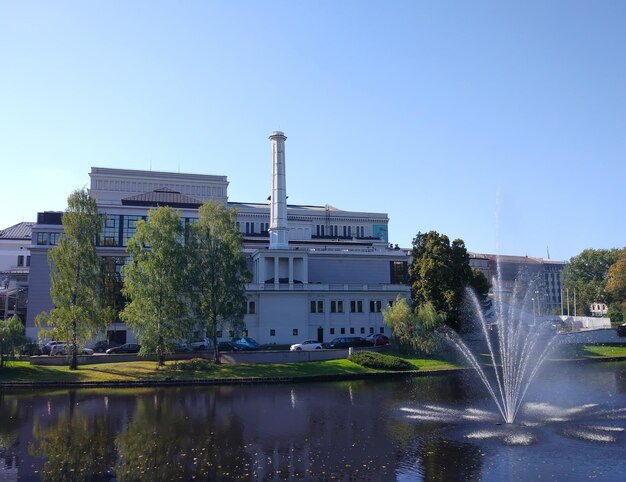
(378, 361)
(193, 365)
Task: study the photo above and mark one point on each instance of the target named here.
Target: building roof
(23, 231)
(162, 197)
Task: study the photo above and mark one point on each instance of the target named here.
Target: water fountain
(517, 345)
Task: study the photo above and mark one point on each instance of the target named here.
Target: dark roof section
(162, 197)
(50, 217)
(18, 231)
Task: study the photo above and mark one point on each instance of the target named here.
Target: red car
(378, 339)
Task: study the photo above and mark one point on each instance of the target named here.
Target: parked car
(103, 345)
(347, 342)
(306, 345)
(30, 349)
(200, 345)
(227, 346)
(246, 343)
(63, 349)
(621, 330)
(378, 339)
(181, 347)
(48, 346)
(125, 348)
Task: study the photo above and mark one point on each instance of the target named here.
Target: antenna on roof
(548, 251)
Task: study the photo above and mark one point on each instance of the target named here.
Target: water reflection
(322, 431)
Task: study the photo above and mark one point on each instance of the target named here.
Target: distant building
(317, 271)
(545, 274)
(14, 268)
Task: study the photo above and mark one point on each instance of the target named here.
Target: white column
(278, 203)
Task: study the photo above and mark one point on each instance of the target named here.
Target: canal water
(441, 428)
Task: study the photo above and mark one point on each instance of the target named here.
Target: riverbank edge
(268, 380)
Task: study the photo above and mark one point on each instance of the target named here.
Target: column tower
(278, 201)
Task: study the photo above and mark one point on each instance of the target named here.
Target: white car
(307, 345)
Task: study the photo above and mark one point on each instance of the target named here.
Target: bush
(193, 365)
(378, 361)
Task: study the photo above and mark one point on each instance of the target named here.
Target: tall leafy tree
(76, 282)
(440, 273)
(616, 286)
(218, 270)
(155, 283)
(587, 275)
(11, 335)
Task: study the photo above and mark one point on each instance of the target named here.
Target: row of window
(294, 331)
(44, 239)
(333, 230)
(337, 306)
(20, 260)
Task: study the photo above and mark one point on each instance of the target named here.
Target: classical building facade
(317, 271)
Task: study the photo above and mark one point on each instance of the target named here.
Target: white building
(14, 267)
(318, 271)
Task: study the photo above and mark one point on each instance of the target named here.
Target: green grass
(23, 371)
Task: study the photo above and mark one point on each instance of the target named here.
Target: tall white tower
(278, 201)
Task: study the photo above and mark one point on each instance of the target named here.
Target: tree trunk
(216, 351)
(74, 355)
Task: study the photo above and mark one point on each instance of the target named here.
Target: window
(251, 307)
(54, 238)
(20, 260)
(218, 333)
(244, 332)
(362, 331)
(356, 306)
(231, 333)
(27, 260)
(336, 306)
(371, 330)
(294, 332)
(42, 238)
(332, 331)
(317, 306)
(375, 306)
(352, 331)
(382, 330)
(399, 272)
(272, 332)
(343, 331)
(110, 230)
(129, 228)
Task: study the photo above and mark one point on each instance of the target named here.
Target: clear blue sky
(501, 123)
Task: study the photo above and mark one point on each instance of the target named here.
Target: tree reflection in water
(75, 447)
(162, 443)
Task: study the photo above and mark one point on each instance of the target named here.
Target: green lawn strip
(582, 351)
(148, 371)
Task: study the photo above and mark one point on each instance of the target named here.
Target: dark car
(227, 346)
(378, 339)
(31, 349)
(125, 348)
(621, 330)
(103, 345)
(347, 342)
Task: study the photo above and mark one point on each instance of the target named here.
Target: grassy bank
(148, 371)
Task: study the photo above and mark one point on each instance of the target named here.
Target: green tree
(11, 335)
(416, 329)
(218, 270)
(155, 283)
(76, 288)
(616, 286)
(586, 274)
(440, 273)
